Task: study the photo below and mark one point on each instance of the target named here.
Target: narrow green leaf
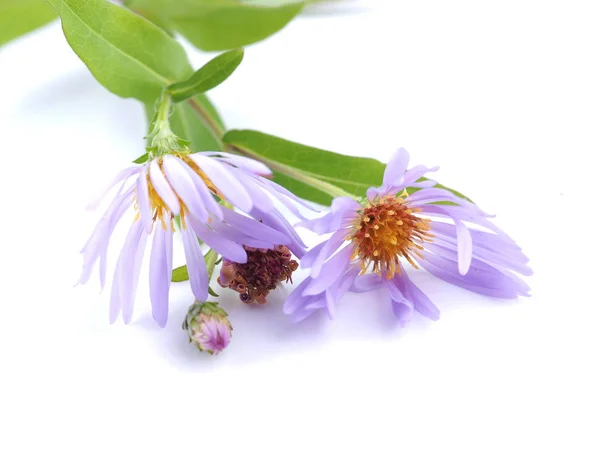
(212, 292)
(216, 25)
(141, 160)
(18, 17)
(180, 274)
(129, 55)
(353, 174)
(300, 168)
(208, 76)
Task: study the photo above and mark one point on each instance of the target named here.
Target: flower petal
(331, 271)
(225, 179)
(394, 171)
(127, 272)
(163, 188)
(184, 186)
(228, 248)
(161, 266)
(421, 302)
(143, 199)
(195, 263)
(402, 307)
(121, 176)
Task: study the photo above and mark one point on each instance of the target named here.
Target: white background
(505, 96)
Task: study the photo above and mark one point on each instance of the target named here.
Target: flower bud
(208, 327)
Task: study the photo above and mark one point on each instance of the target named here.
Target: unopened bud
(208, 327)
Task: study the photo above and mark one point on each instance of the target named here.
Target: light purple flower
(193, 187)
(208, 327)
(430, 228)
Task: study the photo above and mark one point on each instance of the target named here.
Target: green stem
(161, 138)
(211, 260)
(164, 107)
(212, 125)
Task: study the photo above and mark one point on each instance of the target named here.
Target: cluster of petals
(452, 239)
(200, 189)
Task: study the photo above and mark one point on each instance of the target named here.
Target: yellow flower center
(386, 230)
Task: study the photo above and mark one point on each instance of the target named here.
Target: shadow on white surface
(263, 332)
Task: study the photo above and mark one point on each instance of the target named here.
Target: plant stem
(213, 126)
(211, 260)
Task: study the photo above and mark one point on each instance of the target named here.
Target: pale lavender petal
(235, 235)
(195, 263)
(343, 209)
(275, 220)
(421, 302)
(143, 199)
(309, 257)
(249, 165)
(374, 192)
(490, 257)
(131, 276)
(338, 289)
(301, 314)
(286, 197)
(463, 236)
(126, 273)
(225, 179)
(296, 299)
(332, 244)
(97, 245)
(396, 167)
(225, 247)
(421, 184)
(206, 196)
(260, 200)
(414, 173)
(161, 266)
(254, 228)
(318, 302)
(489, 282)
(367, 283)
(402, 307)
(184, 186)
(483, 240)
(163, 189)
(465, 247)
(332, 269)
(121, 176)
(119, 205)
(462, 213)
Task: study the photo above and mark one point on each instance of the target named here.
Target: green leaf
(301, 168)
(129, 55)
(18, 17)
(208, 76)
(141, 160)
(215, 25)
(180, 274)
(186, 123)
(212, 292)
(351, 173)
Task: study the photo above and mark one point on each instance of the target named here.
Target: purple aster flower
(431, 228)
(192, 187)
(208, 327)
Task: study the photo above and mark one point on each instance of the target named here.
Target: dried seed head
(264, 271)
